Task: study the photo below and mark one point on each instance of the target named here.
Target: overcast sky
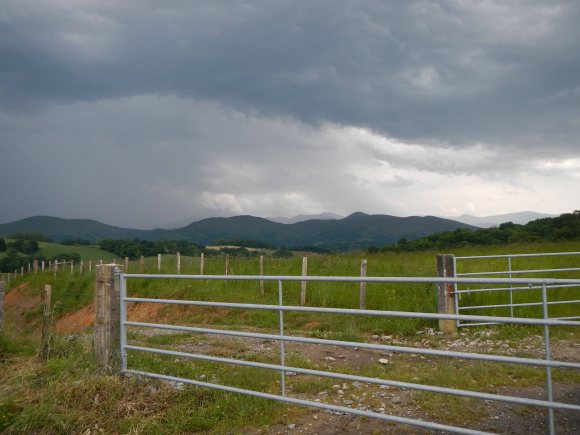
(141, 113)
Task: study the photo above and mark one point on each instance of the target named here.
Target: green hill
(357, 231)
(59, 229)
(353, 232)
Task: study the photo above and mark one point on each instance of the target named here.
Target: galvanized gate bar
(381, 347)
(548, 254)
(390, 279)
(377, 381)
(576, 269)
(356, 312)
(402, 420)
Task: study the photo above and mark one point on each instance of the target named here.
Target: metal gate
(510, 272)
(548, 363)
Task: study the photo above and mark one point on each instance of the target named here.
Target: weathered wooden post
(28, 267)
(227, 264)
(101, 262)
(90, 266)
(178, 263)
(72, 265)
(107, 316)
(81, 267)
(43, 267)
(158, 262)
(262, 274)
(446, 294)
(142, 264)
(2, 290)
(363, 285)
(54, 269)
(22, 271)
(35, 267)
(201, 264)
(46, 324)
(303, 283)
(126, 264)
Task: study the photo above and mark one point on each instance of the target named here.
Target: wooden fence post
(227, 263)
(2, 290)
(363, 285)
(43, 267)
(72, 265)
(28, 267)
(201, 265)
(107, 316)
(101, 262)
(81, 267)
(446, 295)
(178, 263)
(158, 262)
(22, 271)
(126, 264)
(262, 274)
(90, 266)
(54, 269)
(142, 264)
(35, 267)
(303, 283)
(46, 324)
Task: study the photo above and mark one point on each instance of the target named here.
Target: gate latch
(450, 290)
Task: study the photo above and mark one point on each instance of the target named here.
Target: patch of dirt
(77, 321)
(24, 306)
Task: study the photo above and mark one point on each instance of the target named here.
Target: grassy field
(65, 395)
(87, 253)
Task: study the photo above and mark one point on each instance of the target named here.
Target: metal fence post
(446, 293)
(547, 356)
(282, 363)
(303, 283)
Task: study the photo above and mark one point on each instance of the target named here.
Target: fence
(284, 369)
(520, 292)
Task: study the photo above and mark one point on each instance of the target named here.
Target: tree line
(562, 228)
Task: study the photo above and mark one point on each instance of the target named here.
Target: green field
(59, 397)
(87, 253)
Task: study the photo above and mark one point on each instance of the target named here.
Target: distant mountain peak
(356, 215)
(305, 217)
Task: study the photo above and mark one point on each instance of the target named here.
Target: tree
(2, 245)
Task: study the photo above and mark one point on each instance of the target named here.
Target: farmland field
(118, 405)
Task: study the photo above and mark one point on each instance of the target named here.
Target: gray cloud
(139, 113)
(493, 72)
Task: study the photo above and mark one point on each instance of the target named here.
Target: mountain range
(356, 231)
(521, 218)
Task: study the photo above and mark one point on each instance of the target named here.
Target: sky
(142, 113)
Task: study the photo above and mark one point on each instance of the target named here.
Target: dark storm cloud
(502, 73)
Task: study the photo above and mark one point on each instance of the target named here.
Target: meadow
(67, 395)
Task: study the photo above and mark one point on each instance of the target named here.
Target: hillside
(58, 229)
(357, 231)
